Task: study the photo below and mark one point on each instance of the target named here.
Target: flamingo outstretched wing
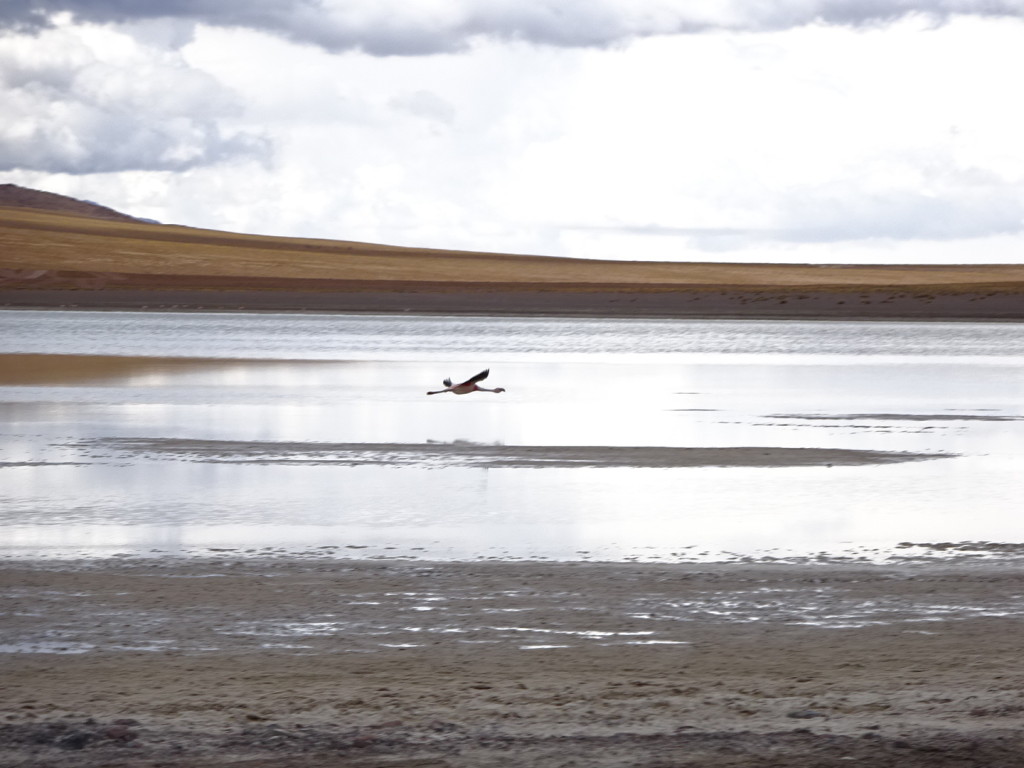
(479, 377)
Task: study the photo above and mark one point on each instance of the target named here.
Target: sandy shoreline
(335, 662)
(749, 303)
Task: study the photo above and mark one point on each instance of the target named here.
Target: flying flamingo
(469, 385)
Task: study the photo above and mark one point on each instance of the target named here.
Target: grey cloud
(108, 147)
(77, 115)
(383, 28)
(23, 16)
(859, 12)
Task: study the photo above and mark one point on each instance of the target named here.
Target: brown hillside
(34, 241)
(13, 196)
(65, 254)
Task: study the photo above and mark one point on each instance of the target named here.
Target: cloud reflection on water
(962, 396)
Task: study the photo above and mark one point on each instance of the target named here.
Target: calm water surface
(67, 487)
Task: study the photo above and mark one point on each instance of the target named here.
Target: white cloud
(94, 101)
(774, 140)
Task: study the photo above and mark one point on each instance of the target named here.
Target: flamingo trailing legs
(469, 385)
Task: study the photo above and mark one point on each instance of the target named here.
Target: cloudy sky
(850, 131)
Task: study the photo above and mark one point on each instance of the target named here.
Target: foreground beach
(318, 662)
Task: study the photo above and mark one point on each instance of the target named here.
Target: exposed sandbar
(41, 369)
(494, 456)
(18, 369)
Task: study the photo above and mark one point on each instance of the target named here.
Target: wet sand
(468, 454)
(322, 662)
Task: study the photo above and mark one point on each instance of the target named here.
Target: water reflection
(932, 388)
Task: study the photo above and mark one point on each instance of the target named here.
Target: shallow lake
(111, 464)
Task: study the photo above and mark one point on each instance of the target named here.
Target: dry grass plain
(57, 258)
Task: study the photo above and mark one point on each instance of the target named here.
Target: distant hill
(13, 196)
(57, 251)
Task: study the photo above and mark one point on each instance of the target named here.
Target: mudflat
(316, 661)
